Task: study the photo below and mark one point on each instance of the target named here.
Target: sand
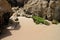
(30, 31)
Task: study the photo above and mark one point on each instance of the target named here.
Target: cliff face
(48, 9)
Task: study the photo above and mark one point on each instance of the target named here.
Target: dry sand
(30, 31)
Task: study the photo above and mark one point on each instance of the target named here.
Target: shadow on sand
(11, 26)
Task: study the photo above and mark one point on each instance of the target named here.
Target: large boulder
(5, 13)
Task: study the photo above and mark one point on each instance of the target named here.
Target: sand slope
(30, 31)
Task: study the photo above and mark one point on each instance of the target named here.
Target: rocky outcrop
(5, 13)
(47, 9)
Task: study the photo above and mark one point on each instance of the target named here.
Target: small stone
(16, 19)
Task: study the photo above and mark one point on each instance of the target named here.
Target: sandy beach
(28, 30)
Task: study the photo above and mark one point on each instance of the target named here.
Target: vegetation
(39, 20)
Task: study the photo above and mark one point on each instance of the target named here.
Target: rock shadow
(5, 33)
(11, 26)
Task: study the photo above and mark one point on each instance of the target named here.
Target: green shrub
(46, 23)
(39, 20)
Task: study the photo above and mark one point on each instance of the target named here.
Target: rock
(15, 9)
(15, 3)
(21, 3)
(33, 7)
(12, 2)
(57, 13)
(14, 16)
(16, 19)
(5, 12)
(43, 8)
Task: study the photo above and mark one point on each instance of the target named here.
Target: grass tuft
(39, 20)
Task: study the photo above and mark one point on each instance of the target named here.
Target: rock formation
(5, 13)
(47, 9)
